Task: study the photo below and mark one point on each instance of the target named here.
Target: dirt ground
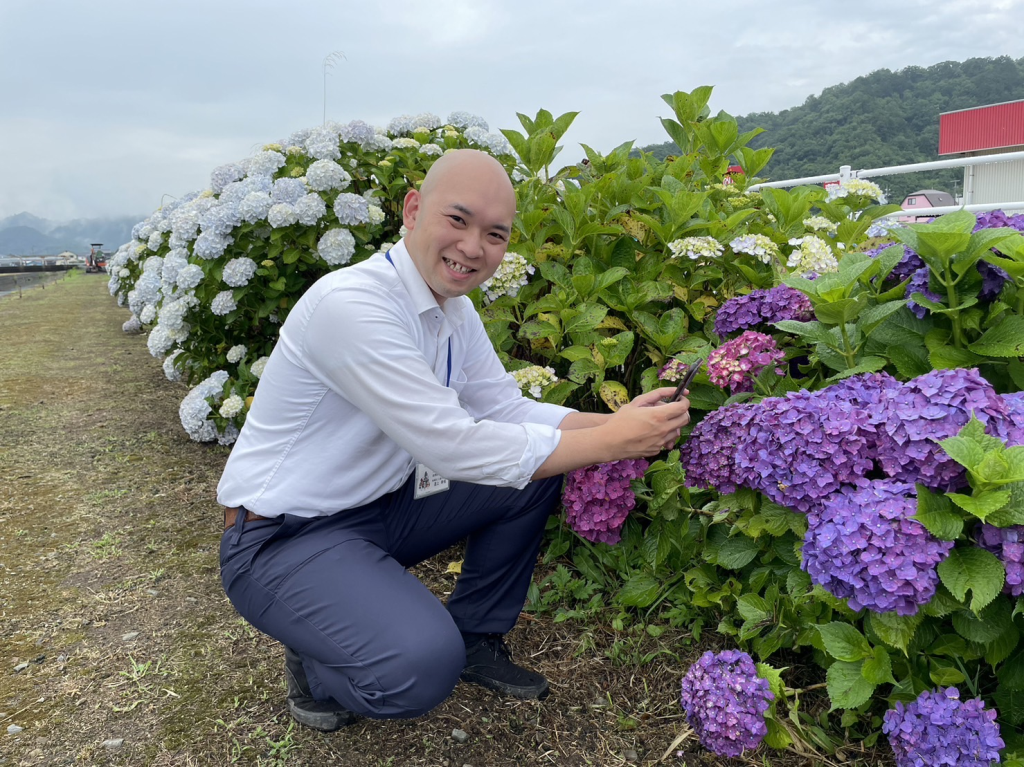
(118, 647)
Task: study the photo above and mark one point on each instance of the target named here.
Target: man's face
(459, 228)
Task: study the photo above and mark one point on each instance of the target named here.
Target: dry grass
(108, 527)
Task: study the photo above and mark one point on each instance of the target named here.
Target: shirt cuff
(541, 441)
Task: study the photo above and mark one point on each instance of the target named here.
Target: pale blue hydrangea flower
(190, 276)
(195, 409)
(310, 209)
(467, 120)
(336, 246)
(426, 120)
(255, 207)
(132, 325)
(148, 314)
(492, 142)
(238, 271)
(223, 303)
(322, 144)
(159, 342)
(172, 315)
(220, 219)
(400, 125)
(431, 150)
(265, 163)
(155, 241)
(351, 209)
(757, 245)
(210, 246)
(299, 137)
(281, 215)
(289, 190)
(224, 175)
(821, 224)
(170, 371)
(324, 175)
(358, 132)
(174, 262)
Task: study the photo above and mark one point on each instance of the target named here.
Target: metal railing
(846, 173)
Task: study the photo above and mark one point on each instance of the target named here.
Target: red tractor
(96, 261)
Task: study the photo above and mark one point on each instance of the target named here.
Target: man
(385, 429)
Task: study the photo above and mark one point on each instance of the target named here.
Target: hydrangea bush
(853, 495)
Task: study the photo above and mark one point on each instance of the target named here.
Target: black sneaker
(489, 664)
(324, 715)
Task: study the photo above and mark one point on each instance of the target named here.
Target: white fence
(846, 172)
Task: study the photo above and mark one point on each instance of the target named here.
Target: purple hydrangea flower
(725, 702)
(1015, 414)
(933, 407)
(907, 265)
(863, 546)
(673, 370)
(919, 284)
(708, 455)
(992, 281)
(762, 307)
(738, 362)
(1007, 543)
(598, 499)
(939, 729)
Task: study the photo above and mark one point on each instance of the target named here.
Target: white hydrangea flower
(431, 150)
(401, 124)
(195, 409)
(172, 314)
(426, 120)
(403, 230)
(174, 262)
(232, 406)
(324, 175)
(821, 224)
(170, 371)
(358, 132)
(222, 218)
(857, 186)
(155, 241)
(289, 190)
(159, 342)
(757, 245)
(351, 209)
(534, 379)
(512, 273)
(224, 175)
(210, 246)
(376, 215)
(132, 326)
(148, 314)
(255, 206)
(495, 143)
(310, 209)
(265, 163)
(406, 143)
(337, 246)
(811, 254)
(696, 248)
(282, 214)
(258, 366)
(238, 271)
(223, 303)
(322, 143)
(190, 277)
(466, 120)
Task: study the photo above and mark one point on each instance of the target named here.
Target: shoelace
(496, 644)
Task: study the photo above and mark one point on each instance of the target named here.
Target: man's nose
(472, 244)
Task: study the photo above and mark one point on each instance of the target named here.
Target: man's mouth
(457, 268)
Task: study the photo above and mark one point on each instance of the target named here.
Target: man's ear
(411, 208)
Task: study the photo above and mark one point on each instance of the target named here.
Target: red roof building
(987, 130)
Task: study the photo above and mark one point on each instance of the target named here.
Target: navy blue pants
(371, 636)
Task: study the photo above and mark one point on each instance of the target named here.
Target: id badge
(428, 482)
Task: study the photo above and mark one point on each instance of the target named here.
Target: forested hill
(884, 118)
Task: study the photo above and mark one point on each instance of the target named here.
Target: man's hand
(648, 424)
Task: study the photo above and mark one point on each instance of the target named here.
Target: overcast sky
(108, 105)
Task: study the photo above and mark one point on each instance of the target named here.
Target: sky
(111, 107)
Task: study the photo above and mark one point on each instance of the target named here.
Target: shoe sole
(516, 691)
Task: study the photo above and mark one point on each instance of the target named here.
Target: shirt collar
(422, 297)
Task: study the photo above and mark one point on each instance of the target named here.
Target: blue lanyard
(449, 379)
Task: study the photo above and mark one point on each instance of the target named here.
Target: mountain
(27, 235)
(883, 118)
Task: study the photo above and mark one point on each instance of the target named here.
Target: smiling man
(385, 429)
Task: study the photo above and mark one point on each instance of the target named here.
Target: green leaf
(1013, 512)
(1004, 340)
(945, 676)
(975, 570)
(1010, 704)
(777, 736)
(844, 642)
(876, 315)
(847, 687)
(1011, 673)
(910, 362)
(936, 513)
(813, 331)
(983, 628)
(753, 607)
(639, 591)
(950, 357)
(587, 319)
(964, 451)
(895, 630)
(983, 504)
(737, 552)
(878, 668)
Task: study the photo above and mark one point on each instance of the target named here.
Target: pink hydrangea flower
(598, 498)
(737, 363)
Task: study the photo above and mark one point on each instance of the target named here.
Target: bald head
(459, 221)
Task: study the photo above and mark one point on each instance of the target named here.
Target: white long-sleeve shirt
(354, 395)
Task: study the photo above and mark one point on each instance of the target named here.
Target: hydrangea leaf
(936, 513)
(753, 607)
(994, 468)
(1000, 648)
(878, 668)
(949, 357)
(1011, 706)
(847, 687)
(866, 365)
(737, 552)
(895, 630)
(777, 736)
(985, 627)
(840, 312)
(910, 361)
(584, 319)
(944, 676)
(948, 644)
(639, 591)
(614, 394)
(874, 316)
(964, 451)
(1011, 673)
(844, 642)
(1004, 340)
(942, 604)
(981, 505)
(814, 331)
(798, 583)
(975, 570)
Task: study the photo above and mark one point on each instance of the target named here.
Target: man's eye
(456, 219)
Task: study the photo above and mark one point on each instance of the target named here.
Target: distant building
(987, 130)
(918, 203)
